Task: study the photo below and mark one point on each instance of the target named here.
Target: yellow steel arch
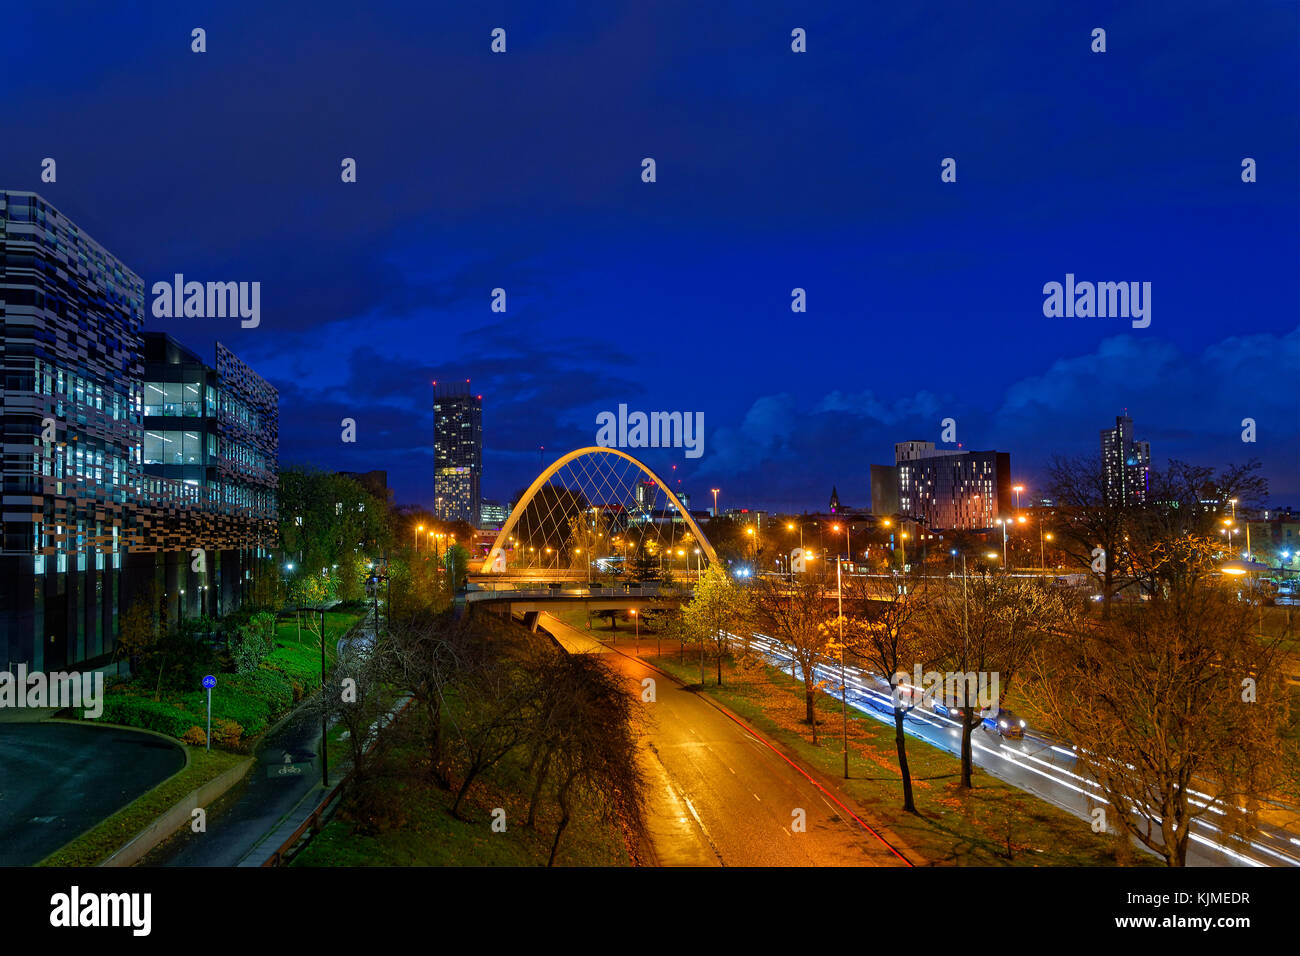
(559, 463)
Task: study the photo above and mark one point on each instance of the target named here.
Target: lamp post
(844, 686)
(847, 546)
(636, 623)
(418, 529)
(1017, 489)
(715, 501)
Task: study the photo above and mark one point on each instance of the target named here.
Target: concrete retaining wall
(178, 816)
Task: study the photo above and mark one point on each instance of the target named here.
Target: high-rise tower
(457, 452)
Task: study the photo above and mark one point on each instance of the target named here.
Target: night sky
(775, 170)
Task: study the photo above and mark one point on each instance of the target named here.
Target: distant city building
(492, 514)
(1126, 464)
(457, 453)
(646, 491)
(943, 488)
(123, 453)
(835, 500)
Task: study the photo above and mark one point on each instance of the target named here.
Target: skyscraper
(457, 452)
(1126, 464)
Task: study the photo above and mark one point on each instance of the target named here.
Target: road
(1042, 767)
(719, 795)
(59, 779)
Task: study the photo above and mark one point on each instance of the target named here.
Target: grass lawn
(993, 825)
(103, 840)
(426, 834)
(337, 623)
(253, 701)
(419, 829)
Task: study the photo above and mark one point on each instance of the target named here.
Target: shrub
(375, 806)
(137, 711)
(195, 737)
(227, 733)
(249, 649)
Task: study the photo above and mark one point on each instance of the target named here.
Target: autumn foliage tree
(1177, 710)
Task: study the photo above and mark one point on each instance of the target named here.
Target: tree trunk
(564, 820)
(436, 769)
(1107, 588)
(542, 771)
(719, 666)
(967, 726)
(470, 775)
(900, 741)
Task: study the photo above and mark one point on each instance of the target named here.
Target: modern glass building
(457, 453)
(96, 514)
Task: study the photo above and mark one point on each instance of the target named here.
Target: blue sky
(775, 170)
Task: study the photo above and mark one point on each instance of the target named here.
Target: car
(1004, 722)
(953, 708)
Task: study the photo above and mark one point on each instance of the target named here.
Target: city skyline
(925, 298)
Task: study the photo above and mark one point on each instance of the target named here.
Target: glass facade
(114, 466)
(457, 453)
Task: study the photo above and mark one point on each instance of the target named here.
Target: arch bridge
(597, 516)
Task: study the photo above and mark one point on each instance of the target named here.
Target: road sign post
(209, 682)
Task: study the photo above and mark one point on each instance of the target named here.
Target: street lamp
(750, 531)
(418, 529)
(848, 547)
(844, 686)
(636, 621)
(715, 502)
(1017, 489)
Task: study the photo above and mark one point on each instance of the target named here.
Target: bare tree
(495, 716)
(361, 697)
(1175, 710)
(884, 630)
(426, 656)
(985, 628)
(1088, 518)
(797, 616)
(589, 718)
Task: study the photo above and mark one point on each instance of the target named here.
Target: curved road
(719, 795)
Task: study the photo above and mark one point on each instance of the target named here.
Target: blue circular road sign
(209, 682)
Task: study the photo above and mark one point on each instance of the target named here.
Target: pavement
(58, 779)
(721, 795)
(243, 824)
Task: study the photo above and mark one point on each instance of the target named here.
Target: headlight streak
(854, 681)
